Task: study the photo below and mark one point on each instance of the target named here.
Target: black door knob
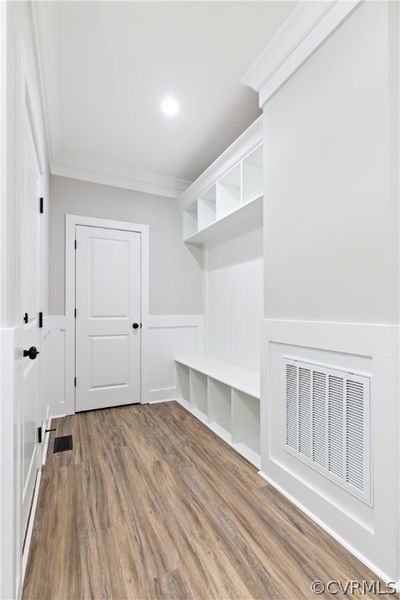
(135, 326)
(32, 352)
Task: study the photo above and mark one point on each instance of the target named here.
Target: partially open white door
(30, 300)
(108, 317)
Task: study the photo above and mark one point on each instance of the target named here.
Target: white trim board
(304, 30)
(71, 222)
(140, 181)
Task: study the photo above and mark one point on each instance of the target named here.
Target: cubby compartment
(190, 220)
(225, 398)
(219, 408)
(183, 384)
(246, 425)
(252, 175)
(229, 192)
(206, 208)
(198, 394)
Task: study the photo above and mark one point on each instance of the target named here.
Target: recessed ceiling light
(170, 106)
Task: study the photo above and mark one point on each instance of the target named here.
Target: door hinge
(39, 435)
(74, 381)
(41, 209)
(75, 313)
(40, 320)
(76, 245)
(26, 318)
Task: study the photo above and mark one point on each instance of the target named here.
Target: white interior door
(108, 317)
(30, 302)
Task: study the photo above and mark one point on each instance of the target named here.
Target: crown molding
(304, 30)
(138, 181)
(245, 143)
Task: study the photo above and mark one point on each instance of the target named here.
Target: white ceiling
(106, 67)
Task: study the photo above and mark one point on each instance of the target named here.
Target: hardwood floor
(150, 504)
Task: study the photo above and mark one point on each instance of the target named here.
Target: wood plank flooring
(150, 504)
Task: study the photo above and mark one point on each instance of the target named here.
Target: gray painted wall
(331, 218)
(175, 274)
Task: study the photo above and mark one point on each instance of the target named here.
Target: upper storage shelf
(228, 197)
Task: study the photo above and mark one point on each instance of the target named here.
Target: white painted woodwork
(229, 192)
(31, 401)
(108, 302)
(240, 379)
(233, 201)
(168, 335)
(219, 404)
(248, 141)
(252, 176)
(246, 423)
(233, 276)
(299, 36)
(213, 392)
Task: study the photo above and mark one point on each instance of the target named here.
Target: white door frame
(71, 222)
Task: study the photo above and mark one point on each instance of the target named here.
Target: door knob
(32, 352)
(135, 326)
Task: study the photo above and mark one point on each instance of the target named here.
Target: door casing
(71, 222)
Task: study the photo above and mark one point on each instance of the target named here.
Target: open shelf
(229, 192)
(219, 408)
(183, 384)
(241, 220)
(252, 175)
(246, 424)
(225, 398)
(190, 222)
(243, 380)
(198, 394)
(232, 204)
(207, 208)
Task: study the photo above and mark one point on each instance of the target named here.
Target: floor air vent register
(63, 443)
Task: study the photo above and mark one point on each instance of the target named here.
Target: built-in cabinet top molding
(304, 30)
(244, 144)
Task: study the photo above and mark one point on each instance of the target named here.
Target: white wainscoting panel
(170, 335)
(368, 530)
(56, 356)
(233, 290)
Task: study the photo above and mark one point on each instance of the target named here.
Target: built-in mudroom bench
(224, 397)
(222, 218)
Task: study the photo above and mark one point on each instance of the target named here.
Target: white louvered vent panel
(354, 434)
(319, 418)
(305, 411)
(335, 425)
(327, 423)
(291, 406)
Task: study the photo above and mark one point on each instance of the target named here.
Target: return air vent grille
(327, 423)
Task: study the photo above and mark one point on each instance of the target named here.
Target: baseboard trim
(28, 540)
(161, 394)
(385, 578)
(161, 401)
